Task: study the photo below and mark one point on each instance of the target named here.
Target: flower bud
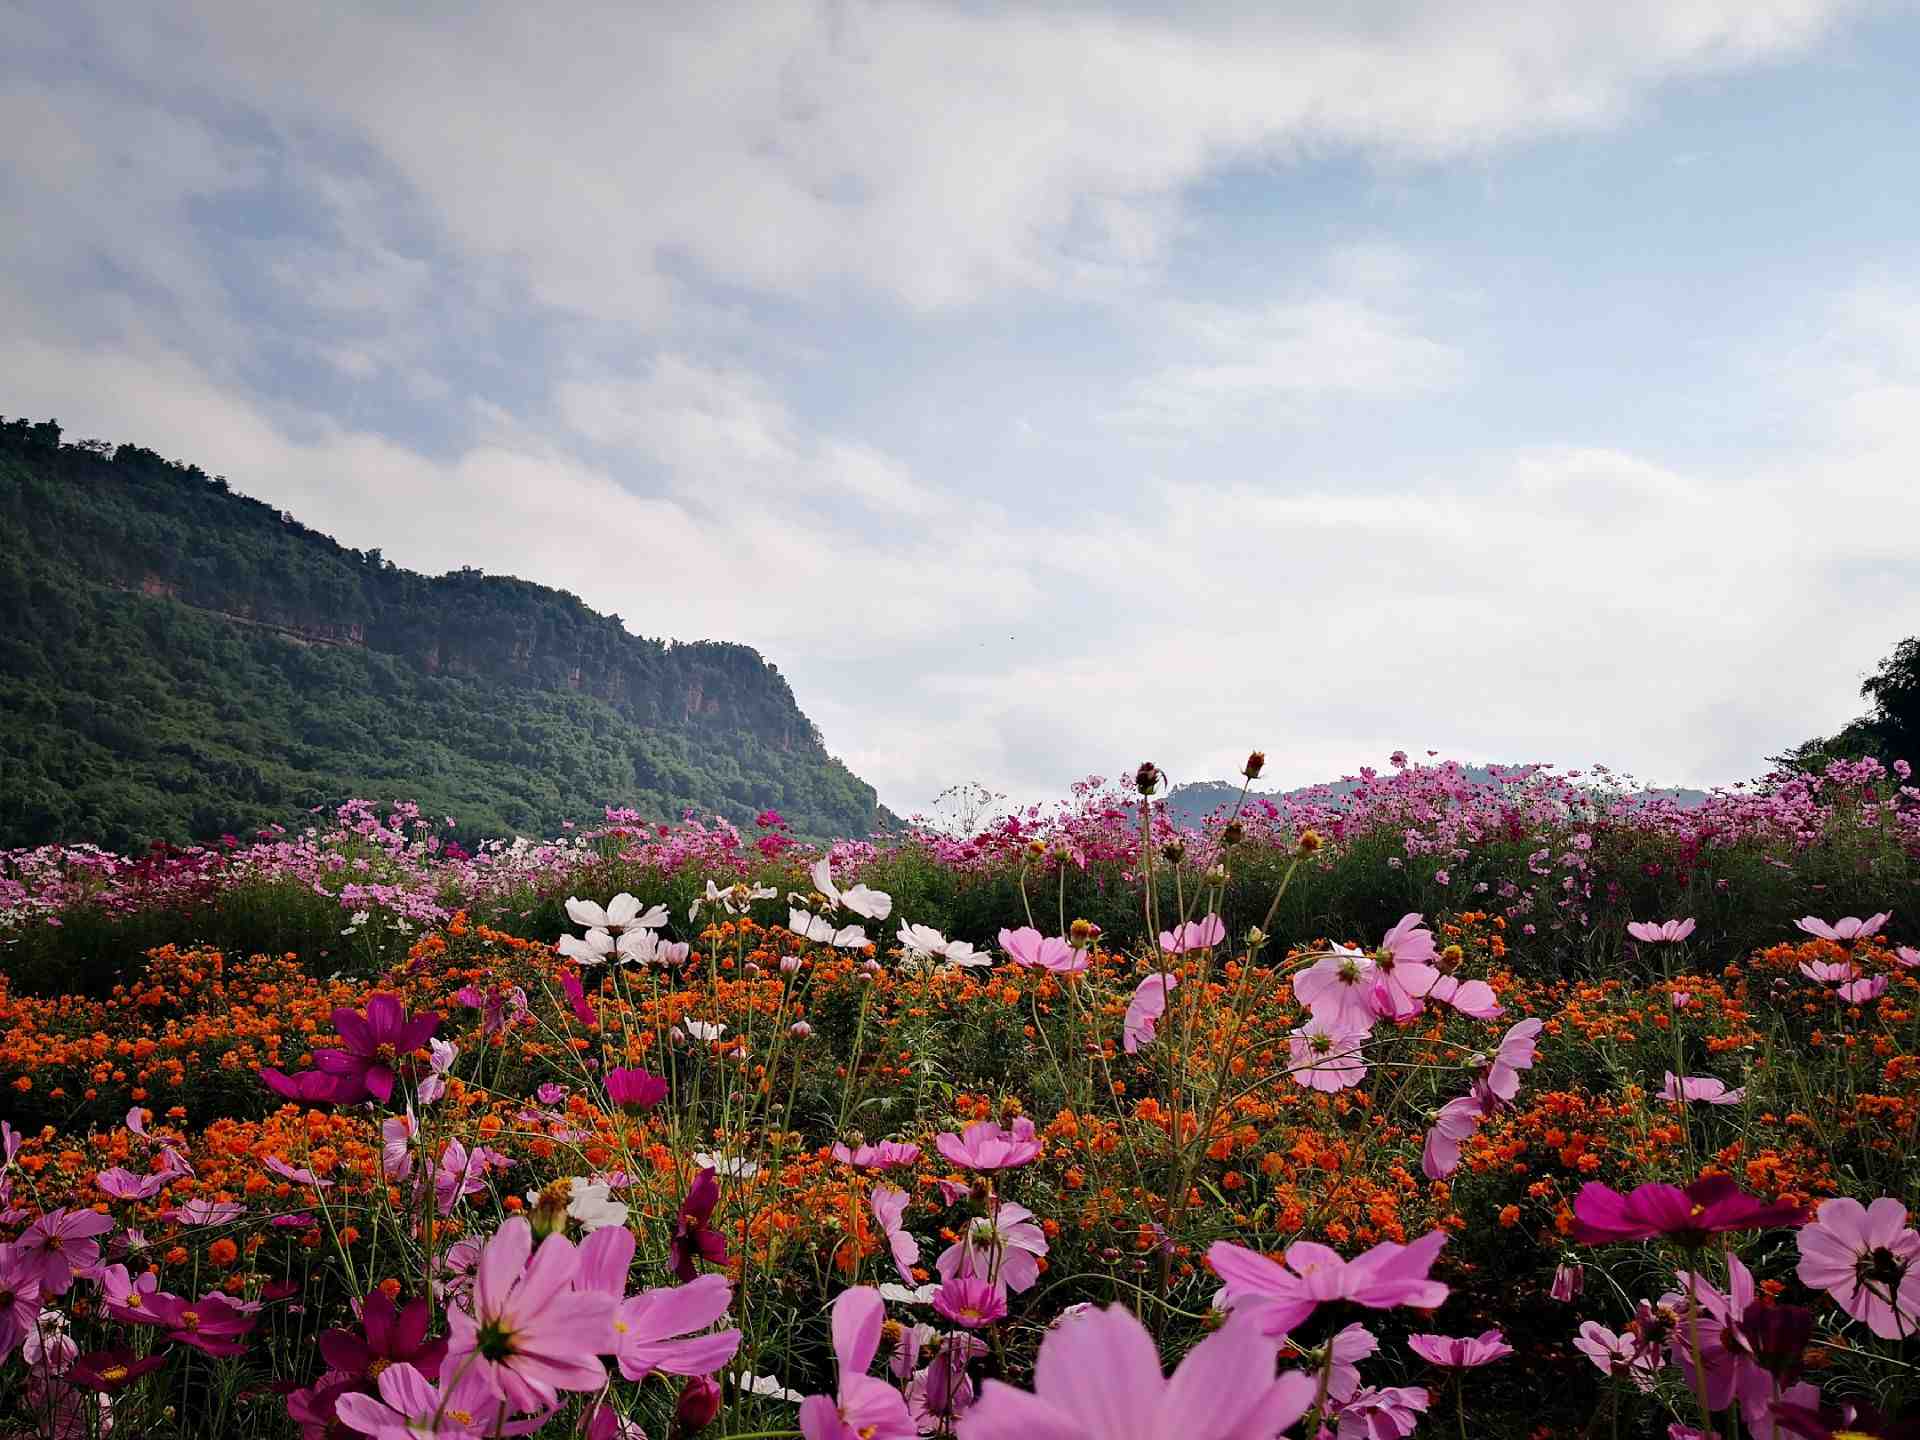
(1308, 843)
(699, 1405)
(1082, 933)
(800, 1029)
(1256, 762)
(1147, 778)
(1217, 875)
(550, 1209)
(1036, 848)
(1174, 851)
(1232, 833)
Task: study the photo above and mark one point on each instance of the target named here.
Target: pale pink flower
(1829, 972)
(1473, 998)
(1569, 1279)
(1660, 932)
(1460, 1352)
(862, 1408)
(1338, 988)
(884, 1156)
(1144, 1010)
(971, 1300)
(1386, 1276)
(1703, 1088)
(1868, 1259)
(1003, 1247)
(889, 1204)
(1098, 1378)
(19, 1298)
(983, 1145)
(1388, 1413)
(1349, 1346)
(205, 1212)
(1844, 931)
(1456, 1121)
(1325, 1056)
(297, 1174)
(1403, 966)
(1031, 950)
(657, 1331)
(1514, 1055)
(1194, 935)
(1613, 1354)
(412, 1407)
(1858, 992)
(1906, 957)
(525, 1328)
(397, 1134)
(59, 1243)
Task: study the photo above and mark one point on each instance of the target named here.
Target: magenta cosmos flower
(1028, 948)
(971, 1300)
(1660, 932)
(693, 1237)
(1098, 1377)
(1844, 931)
(1386, 1276)
(635, 1089)
(1144, 1010)
(1868, 1259)
(1711, 1205)
(213, 1324)
(983, 1145)
(1460, 1353)
(1194, 935)
(525, 1329)
(389, 1334)
(862, 1408)
(376, 1043)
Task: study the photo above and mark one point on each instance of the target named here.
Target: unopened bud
(1082, 933)
(550, 1209)
(1175, 851)
(1147, 778)
(1308, 842)
(1256, 762)
(1217, 875)
(699, 1405)
(1232, 833)
(1448, 960)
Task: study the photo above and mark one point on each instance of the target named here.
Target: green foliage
(1889, 731)
(189, 662)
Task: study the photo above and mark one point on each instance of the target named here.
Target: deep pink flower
(107, 1371)
(1386, 1276)
(1193, 935)
(213, 1324)
(375, 1044)
(889, 1204)
(1098, 1377)
(1460, 1352)
(635, 1089)
(312, 1087)
(1703, 1088)
(59, 1243)
(1028, 948)
(1569, 1279)
(1846, 931)
(692, 1239)
(577, 997)
(1711, 1205)
(884, 1156)
(1868, 1259)
(525, 1329)
(1004, 1247)
(388, 1334)
(971, 1300)
(983, 1145)
(19, 1299)
(1660, 932)
(862, 1408)
(1144, 1010)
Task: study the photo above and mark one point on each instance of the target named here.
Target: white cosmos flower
(901, 1295)
(734, 1167)
(766, 1385)
(923, 941)
(962, 953)
(734, 899)
(821, 931)
(591, 950)
(703, 1029)
(593, 1204)
(622, 912)
(873, 904)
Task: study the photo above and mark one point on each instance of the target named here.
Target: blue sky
(1044, 387)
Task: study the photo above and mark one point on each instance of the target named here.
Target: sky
(1043, 387)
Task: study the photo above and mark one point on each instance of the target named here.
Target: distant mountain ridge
(1194, 802)
(188, 661)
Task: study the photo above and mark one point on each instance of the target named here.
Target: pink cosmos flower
(1906, 957)
(635, 1089)
(693, 1237)
(1385, 1413)
(123, 1184)
(1193, 935)
(127, 1299)
(1569, 1279)
(397, 1134)
(577, 998)
(1403, 966)
(1868, 1259)
(937, 1395)
(311, 1087)
(1386, 1276)
(1473, 998)
(884, 1156)
(983, 1145)
(59, 1243)
(1703, 1088)
(1004, 1247)
(971, 1300)
(1659, 932)
(862, 1408)
(1028, 948)
(1846, 931)
(1514, 1055)
(1858, 992)
(296, 1174)
(1711, 1205)
(411, 1407)
(458, 1174)
(1338, 988)
(1460, 1353)
(658, 1329)
(1327, 1056)
(1829, 972)
(1144, 1010)
(376, 1044)
(1457, 1120)
(889, 1204)
(524, 1329)
(1098, 1377)
(389, 1334)
(1349, 1346)
(1613, 1354)
(19, 1299)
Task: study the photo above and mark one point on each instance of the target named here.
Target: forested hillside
(179, 661)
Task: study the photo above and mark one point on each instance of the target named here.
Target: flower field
(1529, 1107)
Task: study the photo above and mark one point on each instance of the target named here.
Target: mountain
(1194, 802)
(180, 661)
